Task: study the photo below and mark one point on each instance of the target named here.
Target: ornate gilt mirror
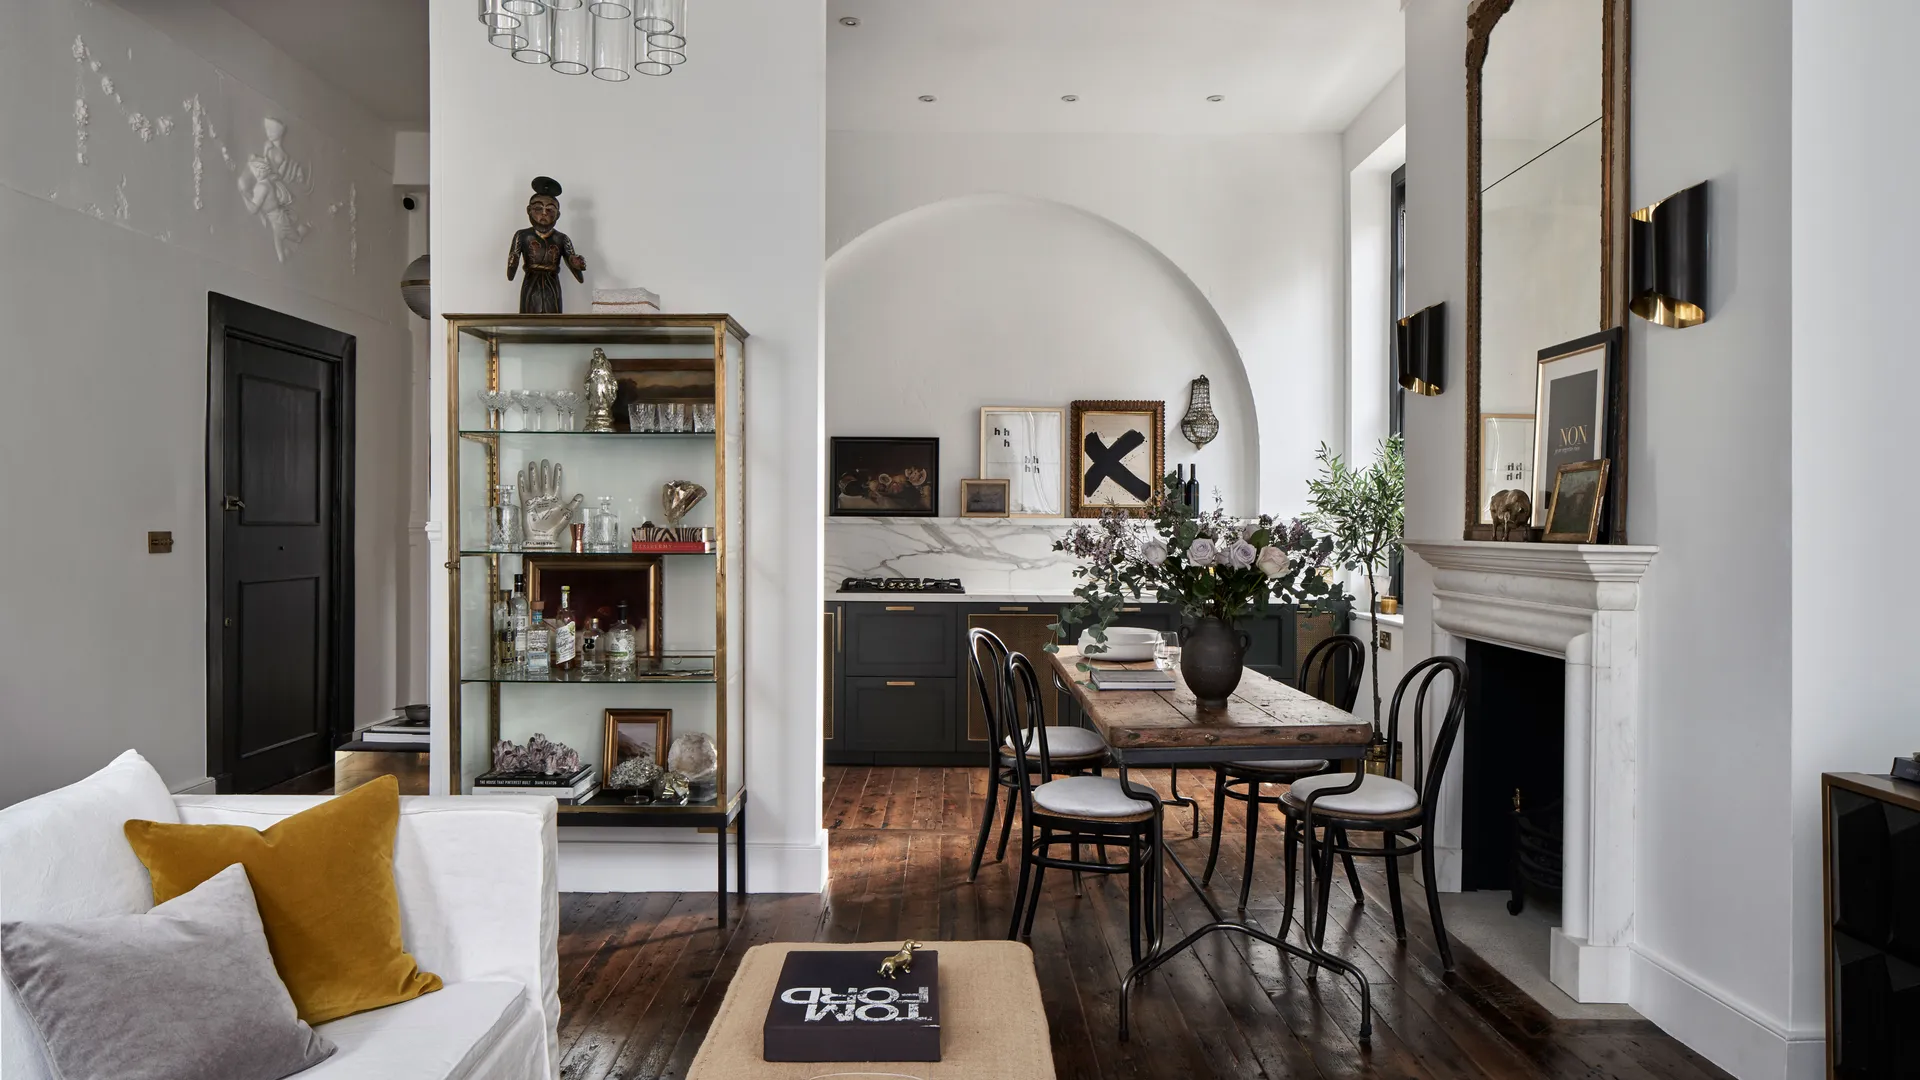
(1546, 243)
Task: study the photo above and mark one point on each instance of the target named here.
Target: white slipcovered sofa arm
(478, 883)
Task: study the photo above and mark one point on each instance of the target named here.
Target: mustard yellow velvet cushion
(324, 881)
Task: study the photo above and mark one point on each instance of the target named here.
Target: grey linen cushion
(187, 990)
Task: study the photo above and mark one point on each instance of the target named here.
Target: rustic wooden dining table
(1265, 720)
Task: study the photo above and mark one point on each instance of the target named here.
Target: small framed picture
(1579, 490)
(635, 733)
(984, 498)
(883, 477)
(1119, 454)
(1027, 447)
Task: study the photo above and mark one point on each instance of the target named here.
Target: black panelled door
(279, 528)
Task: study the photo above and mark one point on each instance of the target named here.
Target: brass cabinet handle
(1130, 609)
(1014, 607)
(899, 607)
(900, 682)
(839, 631)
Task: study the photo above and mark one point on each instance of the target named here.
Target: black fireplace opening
(1512, 776)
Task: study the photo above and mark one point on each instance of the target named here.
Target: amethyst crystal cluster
(541, 755)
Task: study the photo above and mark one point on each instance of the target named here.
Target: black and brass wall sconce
(1668, 278)
(1420, 351)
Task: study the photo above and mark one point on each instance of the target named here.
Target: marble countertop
(1055, 599)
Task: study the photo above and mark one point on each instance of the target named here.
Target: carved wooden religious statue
(544, 249)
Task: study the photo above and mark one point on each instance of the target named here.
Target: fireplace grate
(1537, 852)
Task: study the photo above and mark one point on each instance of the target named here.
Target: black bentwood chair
(1075, 749)
(1392, 808)
(1331, 672)
(1074, 810)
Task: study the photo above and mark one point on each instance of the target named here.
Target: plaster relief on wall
(270, 186)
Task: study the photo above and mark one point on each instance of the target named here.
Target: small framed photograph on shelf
(1119, 455)
(1579, 492)
(984, 498)
(1026, 446)
(870, 477)
(635, 733)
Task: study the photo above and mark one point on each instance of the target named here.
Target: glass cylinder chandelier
(611, 39)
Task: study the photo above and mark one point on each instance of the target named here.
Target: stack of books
(1105, 678)
(569, 789)
(398, 730)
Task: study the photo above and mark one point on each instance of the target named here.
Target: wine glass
(495, 402)
(538, 399)
(566, 402)
(522, 400)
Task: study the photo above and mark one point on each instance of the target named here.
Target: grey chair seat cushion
(1088, 797)
(1068, 742)
(187, 991)
(1279, 770)
(1377, 796)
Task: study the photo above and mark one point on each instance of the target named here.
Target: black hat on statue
(546, 185)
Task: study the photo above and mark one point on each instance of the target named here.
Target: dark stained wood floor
(642, 974)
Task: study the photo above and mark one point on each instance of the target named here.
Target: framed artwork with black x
(1120, 455)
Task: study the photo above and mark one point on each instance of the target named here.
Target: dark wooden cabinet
(899, 691)
(1872, 847)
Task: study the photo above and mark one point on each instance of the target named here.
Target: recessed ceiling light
(1216, 97)
(848, 20)
(927, 97)
(1069, 97)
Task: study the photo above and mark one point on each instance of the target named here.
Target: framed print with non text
(1576, 405)
(1026, 446)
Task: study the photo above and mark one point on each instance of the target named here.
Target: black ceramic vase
(1212, 654)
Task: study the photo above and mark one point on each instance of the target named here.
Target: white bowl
(1125, 644)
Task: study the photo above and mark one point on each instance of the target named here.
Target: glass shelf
(481, 553)
(664, 668)
(484, 433)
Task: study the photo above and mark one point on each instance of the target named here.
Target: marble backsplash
(988, 555)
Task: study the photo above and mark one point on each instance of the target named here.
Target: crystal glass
(676, 417)
(520, 401)
(611, 9)
(612, 48)
(665, 56)
(503, 522)
(525, 7)
(673, 34)
(495, 402)
(538, 399)
(654, 17)
(503, 27)
(538, 30)
(1166, 651)
(640, 417)
(568, 403)
(703, 416)
(603, 527)
(572, 39)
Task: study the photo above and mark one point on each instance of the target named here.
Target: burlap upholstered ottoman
(993, 1026)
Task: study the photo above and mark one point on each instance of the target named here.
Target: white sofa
(478, 904)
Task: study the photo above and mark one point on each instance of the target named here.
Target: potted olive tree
(1365, 513)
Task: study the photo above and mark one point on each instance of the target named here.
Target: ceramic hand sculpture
(678, 497)
(602, 388)
(547, 517)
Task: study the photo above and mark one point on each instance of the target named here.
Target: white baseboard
(1720, 1027)
(599, 863)
(202, 786)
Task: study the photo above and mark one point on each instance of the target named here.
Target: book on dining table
(1132, 679)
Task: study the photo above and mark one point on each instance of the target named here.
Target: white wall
(1254, 222)
(707, 187)
(1006, 300)
(1853, 283)
(105, 304)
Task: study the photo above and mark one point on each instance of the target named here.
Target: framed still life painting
(634, 733)
(1119, 454)
(1579, 495)
(1027, 448)
(1576, 401)
(984, 498)
(883, 477)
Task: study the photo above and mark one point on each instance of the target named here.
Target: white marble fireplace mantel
(1578, 602)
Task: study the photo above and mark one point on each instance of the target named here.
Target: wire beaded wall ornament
(1200, 425)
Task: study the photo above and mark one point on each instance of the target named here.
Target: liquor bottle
(619, 646)
(593, 662)
(539, 647)
(565, 633)
(503, 633)
(519, 614)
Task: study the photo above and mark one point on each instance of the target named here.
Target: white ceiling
(375, 51)
(1136, 65)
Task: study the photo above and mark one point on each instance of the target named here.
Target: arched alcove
(1006, 300)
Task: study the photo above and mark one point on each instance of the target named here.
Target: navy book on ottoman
(836, 1006)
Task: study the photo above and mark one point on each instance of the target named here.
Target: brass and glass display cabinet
(685, 374)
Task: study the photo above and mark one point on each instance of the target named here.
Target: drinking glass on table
(1166, 651)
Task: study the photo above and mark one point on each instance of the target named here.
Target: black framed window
(1397, 298)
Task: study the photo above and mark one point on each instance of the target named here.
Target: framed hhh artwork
(1579, 495)
(869, 477)
(1119, 455)
(1506, 457)
(635, 733)
(1577, 405)
(1027, 448)
(984, 498)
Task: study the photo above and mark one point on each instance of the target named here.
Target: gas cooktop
(901, 584)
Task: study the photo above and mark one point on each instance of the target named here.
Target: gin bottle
(519, 615)
(593, 663)
(619, 646)
(565, 634)
(539, 647)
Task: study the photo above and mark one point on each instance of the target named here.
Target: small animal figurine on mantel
(900, 963)
(544, 249)
(1511, 509)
